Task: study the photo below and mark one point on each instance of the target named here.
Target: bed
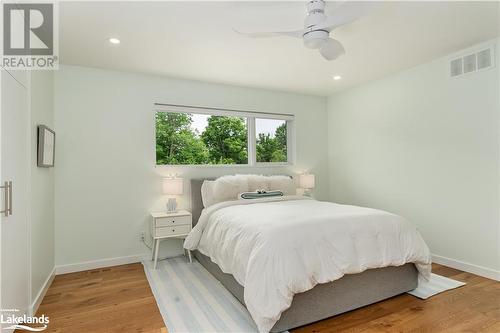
(324, 300)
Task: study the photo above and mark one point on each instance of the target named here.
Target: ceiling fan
(318, 26)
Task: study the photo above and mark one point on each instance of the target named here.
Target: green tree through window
(226, 140)
(223, 140)
(271, 145)
(176, 143)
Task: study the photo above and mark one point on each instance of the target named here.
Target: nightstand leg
(153, 249)
(189, 255)
(156, 252)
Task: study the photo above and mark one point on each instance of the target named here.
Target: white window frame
(251, 139)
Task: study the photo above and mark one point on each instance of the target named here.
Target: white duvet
(277, 247)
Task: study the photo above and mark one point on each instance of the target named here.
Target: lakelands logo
(30, 35)
(9, 319)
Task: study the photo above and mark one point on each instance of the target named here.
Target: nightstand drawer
(172, 231)
(173, 221)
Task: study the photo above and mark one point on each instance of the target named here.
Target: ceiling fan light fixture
(315, 39)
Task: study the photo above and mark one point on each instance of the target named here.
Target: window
(186, 138)
(271, 140)
(220, 137)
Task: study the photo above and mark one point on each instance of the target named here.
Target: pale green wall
(42, 184)
(106, 180)
(415, 143)
(425, 146)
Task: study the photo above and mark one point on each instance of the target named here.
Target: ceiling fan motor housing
(315, 13)
(313, 39)
(315, 5)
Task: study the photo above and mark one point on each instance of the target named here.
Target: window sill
(233, 166)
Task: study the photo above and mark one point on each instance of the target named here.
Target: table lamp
(307, 182)
(172, 186)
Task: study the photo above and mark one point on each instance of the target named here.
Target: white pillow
(257, 182)
(227, 188)
(284, 184)
(207, 193)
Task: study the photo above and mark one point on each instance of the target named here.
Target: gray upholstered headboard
(196, 202)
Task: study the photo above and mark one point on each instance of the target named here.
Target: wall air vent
(474, 62)
(470, 63)
(484, 59)
(456, 67)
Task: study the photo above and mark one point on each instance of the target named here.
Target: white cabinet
(169, 225)
(15, 164)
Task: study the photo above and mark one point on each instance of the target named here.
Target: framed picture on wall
(46, 147)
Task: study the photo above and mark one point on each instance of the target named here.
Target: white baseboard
(94, 264)
(467, 267)
(41, 293)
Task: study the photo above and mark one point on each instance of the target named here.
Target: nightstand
(169, 225)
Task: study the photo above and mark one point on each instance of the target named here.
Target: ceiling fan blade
(296, 33)
(331, 49)
(346, 12)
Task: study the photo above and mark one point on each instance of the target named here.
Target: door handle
(7, 187)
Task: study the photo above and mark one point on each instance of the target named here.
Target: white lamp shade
(307, 181)
(173, 186)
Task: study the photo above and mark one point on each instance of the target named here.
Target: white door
(15, 168)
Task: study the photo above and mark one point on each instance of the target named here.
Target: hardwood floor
(472, 308)
(114, 299)
(118, 299)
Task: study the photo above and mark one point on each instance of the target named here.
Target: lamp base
(308, 193)
(171, 205)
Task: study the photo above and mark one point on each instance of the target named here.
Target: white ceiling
(195, 40)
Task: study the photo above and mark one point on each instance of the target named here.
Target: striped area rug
(436, 284)
(192, 300)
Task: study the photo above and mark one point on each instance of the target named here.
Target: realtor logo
(29, 36)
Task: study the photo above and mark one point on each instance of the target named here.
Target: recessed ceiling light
(114, 40)
(337, 77)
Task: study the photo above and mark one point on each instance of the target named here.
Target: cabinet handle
(10, 198)
(7, 187)
(173, 221)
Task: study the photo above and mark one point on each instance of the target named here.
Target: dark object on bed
(260, 194)
(325, 300)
